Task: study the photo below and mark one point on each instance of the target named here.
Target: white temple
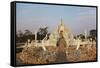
(54, 36)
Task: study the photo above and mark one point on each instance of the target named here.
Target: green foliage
(42, 32)
(93, 34)
(23, 37)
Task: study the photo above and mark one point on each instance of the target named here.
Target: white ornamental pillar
(35, 38)
(85, 34)
(46, 36)
(43, 45)
(78, 44)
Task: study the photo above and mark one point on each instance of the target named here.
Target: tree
(81, 36)
(20, 33)
(19, 36)
(23, 37)
(27, 35)
(42, 33)
(27, 32)
(93, 34)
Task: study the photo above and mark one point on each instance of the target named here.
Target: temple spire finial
(61, 21)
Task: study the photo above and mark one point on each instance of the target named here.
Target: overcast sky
(34, 16)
